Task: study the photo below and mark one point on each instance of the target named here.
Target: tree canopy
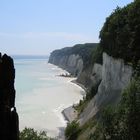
(120, 35)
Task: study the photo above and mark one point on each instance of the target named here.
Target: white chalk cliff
(115, 77)
(72, 63)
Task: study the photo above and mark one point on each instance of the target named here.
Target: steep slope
(115, 77)
(121, 57)
(121, 63)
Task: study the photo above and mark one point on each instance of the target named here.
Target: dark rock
(9, 124)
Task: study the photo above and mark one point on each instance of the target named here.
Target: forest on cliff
(119, 38)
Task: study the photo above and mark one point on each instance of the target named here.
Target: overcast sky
(39, 26)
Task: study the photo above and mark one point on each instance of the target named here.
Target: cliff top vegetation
(81, 49)
(120, 35)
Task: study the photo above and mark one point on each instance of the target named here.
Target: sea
(42, 94)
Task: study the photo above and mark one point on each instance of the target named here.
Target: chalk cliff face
(8, 116)
(90, 76)
(112, 77)
(73, 59)
(115, 77)
(72, 63)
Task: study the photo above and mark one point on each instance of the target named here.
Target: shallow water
(41, 94)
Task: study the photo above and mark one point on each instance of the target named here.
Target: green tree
(123, 121)
(129, 111)
(72, 130)
(31, 134)
(120, 34)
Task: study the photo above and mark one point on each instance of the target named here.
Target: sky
(37, 27)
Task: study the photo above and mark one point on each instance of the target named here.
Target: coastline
(80, 85)
(41, 103)
(70, 113)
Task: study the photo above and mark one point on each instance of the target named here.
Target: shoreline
(36, 103)
(70, 113)
(79, 85)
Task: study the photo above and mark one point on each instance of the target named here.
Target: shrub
(121, 122)
(72, 130)
(31, 134)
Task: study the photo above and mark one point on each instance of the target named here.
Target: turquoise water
(41, 94)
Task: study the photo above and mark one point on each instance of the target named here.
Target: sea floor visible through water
(41, 95)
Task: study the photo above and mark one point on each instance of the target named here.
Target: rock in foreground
(9, 125)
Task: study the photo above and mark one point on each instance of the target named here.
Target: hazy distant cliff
(8, 116)
(73, 59)
(72, 63)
